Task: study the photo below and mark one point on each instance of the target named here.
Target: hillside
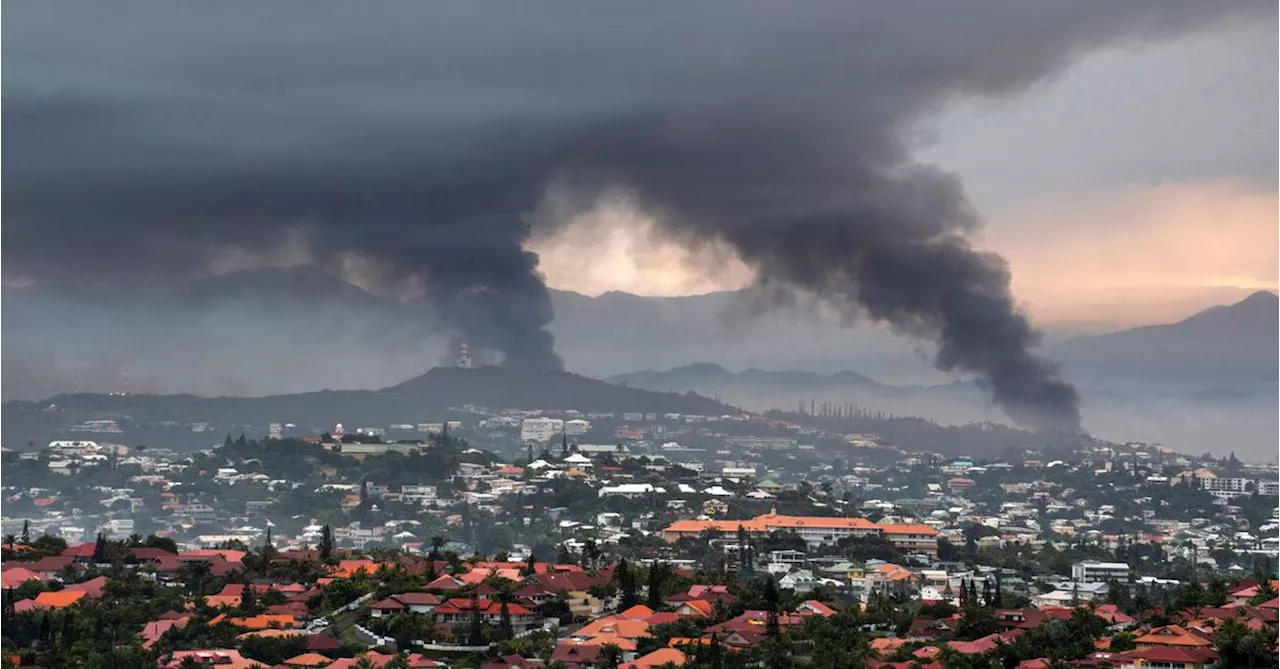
(707, 377)
(423, 398)
(760, 390)
(528, 389)
(1218, 347)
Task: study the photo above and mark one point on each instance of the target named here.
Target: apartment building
(815, 530)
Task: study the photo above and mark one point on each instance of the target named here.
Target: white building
(117, 528)
(540, 429)
(421, 494)
(577, 427)
(630, 490)
(1228, 488)
(1093, 571)
(73, 447)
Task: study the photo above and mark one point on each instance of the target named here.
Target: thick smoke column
(144, 141)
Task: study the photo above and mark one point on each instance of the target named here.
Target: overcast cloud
(148, 140)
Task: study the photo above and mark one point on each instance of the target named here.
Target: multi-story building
(815, 530)
(577, 427)
(540, 429)
(1093, 571)
(1230, 487)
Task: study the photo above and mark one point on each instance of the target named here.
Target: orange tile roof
(637, 612)
(271, 633)
(225, 553)
(912, 528)
(701, 608)
(1171, 635)
(613, 625)
(60, 599)
(623, 643)
(657, 658)
(349, 568)
(264, 621)
(308, 660)
(229, 601)
(222, 658)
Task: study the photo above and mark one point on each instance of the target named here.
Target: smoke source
(147, 139)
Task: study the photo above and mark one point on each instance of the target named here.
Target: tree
(658, 572)
(475, 630)
(274, 650)
(744, 552)
(193, 575)
(610, 656)
(976, 622)
(9, 540)
(1121, 642)
(326, 542)
(505, 630)
(625, 578)
(100, 549)
(26, 533)
(590, 553)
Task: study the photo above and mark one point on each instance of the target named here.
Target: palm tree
(10, 540)
(610, 656)
(194, 574)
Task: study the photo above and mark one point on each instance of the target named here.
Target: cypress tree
(326, 542)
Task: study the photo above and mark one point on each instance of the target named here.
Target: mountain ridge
(411, 401)
(1227, 344)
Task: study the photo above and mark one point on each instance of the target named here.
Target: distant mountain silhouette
(706, 375)
(419, 399)
(1220, 346)
(532, 389)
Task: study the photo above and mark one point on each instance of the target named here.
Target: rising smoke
(145, 141)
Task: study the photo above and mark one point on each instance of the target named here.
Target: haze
(197, 200)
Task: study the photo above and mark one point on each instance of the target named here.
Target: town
(529, 539)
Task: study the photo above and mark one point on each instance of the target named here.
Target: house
(460, 610)
(657, 658)
(222, 658)
(1162, 657)
(1243, 595)
(814, 607)
(1172, 636)
(695, 608)
(17, 575)
(413, 602)
(308, 660)
(514, 662)
(60, 599)
(154, 630)
(571, 654)
(815, 530)
(803, 580)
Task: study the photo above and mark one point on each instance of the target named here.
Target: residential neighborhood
(720, 541)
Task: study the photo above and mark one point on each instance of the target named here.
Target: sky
(961, 174)
(1137, 186)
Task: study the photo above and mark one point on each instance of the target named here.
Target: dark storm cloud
(143, 136)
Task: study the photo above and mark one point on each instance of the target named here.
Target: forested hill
(424, 398)
(975, 440)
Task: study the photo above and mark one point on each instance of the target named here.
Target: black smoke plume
(145, 139)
